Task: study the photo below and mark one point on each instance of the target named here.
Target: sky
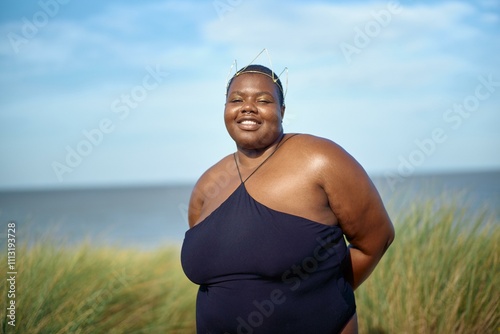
(112, 93)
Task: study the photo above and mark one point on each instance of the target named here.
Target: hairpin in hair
(273, 76)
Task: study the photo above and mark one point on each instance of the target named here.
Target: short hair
(260, 69)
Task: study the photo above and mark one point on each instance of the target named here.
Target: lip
(248, 123)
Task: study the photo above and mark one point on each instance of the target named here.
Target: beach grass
(441, 275)
(85, 289)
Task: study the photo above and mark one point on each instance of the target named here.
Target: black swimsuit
(265, 271)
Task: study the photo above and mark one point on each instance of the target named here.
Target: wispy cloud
(422, 59)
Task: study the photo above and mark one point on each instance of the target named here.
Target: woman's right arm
(195, 204)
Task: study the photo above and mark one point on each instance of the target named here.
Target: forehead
(253, 81)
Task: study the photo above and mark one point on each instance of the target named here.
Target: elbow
(391, 235)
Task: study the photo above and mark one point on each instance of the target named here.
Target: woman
(267, 224)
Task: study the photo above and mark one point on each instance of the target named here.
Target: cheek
(228, 118)
(275, 116)
(227, 114)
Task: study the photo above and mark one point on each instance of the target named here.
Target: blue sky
(122, 92)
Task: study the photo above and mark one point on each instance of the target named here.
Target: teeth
(248, 122)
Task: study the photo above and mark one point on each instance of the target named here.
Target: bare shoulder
(208, 185)
(323, 152)
(343, 179)
(220, 172)
(315, 143)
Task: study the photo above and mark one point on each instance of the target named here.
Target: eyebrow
(258, 93)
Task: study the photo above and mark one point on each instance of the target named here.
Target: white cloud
(64, 80)
(417, 46)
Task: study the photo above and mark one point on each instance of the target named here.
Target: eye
(236, 100)
(265, 99)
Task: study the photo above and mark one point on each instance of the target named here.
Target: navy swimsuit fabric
(265, 271)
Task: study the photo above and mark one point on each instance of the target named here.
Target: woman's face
(253, 114)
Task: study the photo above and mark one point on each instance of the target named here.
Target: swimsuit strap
(263, 162)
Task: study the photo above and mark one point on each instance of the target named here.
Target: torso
(289, 182)
(270, 241)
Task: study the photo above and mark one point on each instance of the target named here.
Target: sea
(150, 217)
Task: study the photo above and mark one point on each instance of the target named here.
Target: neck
(247, 157)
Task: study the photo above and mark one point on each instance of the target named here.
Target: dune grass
(100, 290)
(439, 276)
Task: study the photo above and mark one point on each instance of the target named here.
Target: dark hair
(262, 70)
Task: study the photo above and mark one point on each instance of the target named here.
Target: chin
(254, 140)
(248, 141)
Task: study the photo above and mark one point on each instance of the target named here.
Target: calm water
(150, 217)
(474, 191)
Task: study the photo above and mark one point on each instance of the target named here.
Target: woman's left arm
(359, 209)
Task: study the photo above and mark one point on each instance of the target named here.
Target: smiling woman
(254, 109)
(268, 249)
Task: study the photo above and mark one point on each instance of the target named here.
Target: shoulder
(323, 152)
(335, 169)
(209, 185)
(315, 144)
(219, 173)
(348, 187)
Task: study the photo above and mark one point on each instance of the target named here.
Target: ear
(283, 111)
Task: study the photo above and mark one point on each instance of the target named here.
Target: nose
(248, 107)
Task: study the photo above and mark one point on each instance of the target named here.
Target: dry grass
(89, 290)
(439, 276)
